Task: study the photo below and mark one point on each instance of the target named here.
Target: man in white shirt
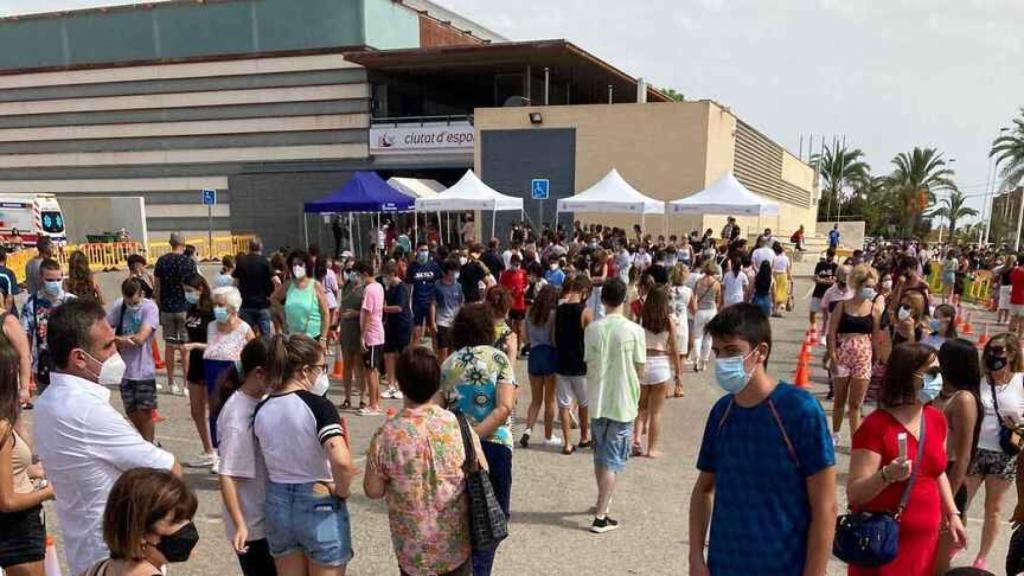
(84, 444)
(763, 253)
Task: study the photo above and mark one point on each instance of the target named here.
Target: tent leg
(643, 220)
(305, 229)
(415, 228)
(494, 222)
(359, 235)
(351, 244)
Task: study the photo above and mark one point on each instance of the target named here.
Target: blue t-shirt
(761, 515)
(555, 277)
(833, 238)
(422, 278)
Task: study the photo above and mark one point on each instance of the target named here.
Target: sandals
(346, 405)
(568, 450)
(586, 444)
(637, 450)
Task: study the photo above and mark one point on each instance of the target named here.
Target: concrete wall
(97, 215)
(851, 234)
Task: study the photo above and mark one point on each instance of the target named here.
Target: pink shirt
(373, 306)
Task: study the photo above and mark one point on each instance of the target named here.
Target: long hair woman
(707, 299)
(960, 402)
(22, 529)
(680, 295)
(782, 272)
(80, 280)
(1003, 384)
(662, 359)
(309, 466)
(943, 326)
(763, 284)
(542, 364)
(198, 317)
(499, 301)
(879, 475)
(303, 301)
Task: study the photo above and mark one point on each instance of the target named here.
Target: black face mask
(178, 546)
(995, 363)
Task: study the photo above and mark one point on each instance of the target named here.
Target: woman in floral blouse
(478, 381)
(415, 462)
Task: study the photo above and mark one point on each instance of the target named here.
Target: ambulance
(32, 216)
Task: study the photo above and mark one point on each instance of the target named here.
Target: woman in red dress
(878, 476)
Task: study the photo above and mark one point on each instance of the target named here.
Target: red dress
(919, 525)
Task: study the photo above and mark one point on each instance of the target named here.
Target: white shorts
(1004, 297)
(657, 370)
(569, 388)
(815, 304)
(1017, 309)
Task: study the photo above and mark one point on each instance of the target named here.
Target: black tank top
(849, 324)
(569, 339)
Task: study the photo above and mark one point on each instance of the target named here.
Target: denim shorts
(258, 318)
(300, 521)
(138, 395)
(612, 442)
(542, 361)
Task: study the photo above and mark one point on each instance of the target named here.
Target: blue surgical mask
(935, 324)
(868, 293)
(52, 287)
(220, 314)
(930, 388)
(191, 296)
(422, 256)
(730, 373)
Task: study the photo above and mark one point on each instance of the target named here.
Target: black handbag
(1010, 439)
(871, 539)
(488, 525)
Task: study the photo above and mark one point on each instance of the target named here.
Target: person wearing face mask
(1002, 399)
(303, 300)
(421, 275)
(850, 347)
(397, 325)
(84, 441)
(134, 320)
(943, 326)
(35, 319)
(351, 348)
(880, 473)
(147, 524)
(909, 324)
(792, 499)
(309, 466)
(554, 275)
(243, 475)
(475, 276)
(198, 318)
(448, 299)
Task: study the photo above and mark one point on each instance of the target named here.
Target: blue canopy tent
(364, 192)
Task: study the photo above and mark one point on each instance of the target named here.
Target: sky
(886, 75)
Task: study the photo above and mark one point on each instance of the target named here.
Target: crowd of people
(607, 320)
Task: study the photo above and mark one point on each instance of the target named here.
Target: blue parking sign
(209, 197)
(539, 188)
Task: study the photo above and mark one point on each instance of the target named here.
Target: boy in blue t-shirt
(766, 462)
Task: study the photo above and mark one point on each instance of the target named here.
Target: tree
(917, 176)
(673, 95)
(838, 167)
(1008, 150)
(953, 209)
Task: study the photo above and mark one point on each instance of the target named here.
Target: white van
(32, 216)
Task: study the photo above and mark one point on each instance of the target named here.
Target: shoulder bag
(1010, 438)
(871, 539)
(487, 523)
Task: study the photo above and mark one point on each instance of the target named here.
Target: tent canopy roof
(364, 192)
(416, 187)
(725, 196)
(612, 194)
(470, 193)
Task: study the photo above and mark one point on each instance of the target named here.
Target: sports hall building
(277, 102)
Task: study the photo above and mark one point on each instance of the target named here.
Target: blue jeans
(257, 318)
(499, 461)
(300, 521)
(612, 441)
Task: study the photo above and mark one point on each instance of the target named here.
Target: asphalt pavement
(551, 493)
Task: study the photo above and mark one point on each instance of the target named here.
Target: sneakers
(553, 441)
(602, 525)
(392, 392)
(524, 440)
(397, 394)
(215, 467)
(203, 461)
(835, 439)
(367, 411)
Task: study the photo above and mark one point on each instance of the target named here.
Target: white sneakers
(211, 461)
(392, 392)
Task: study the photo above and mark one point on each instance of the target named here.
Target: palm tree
(917, 176)
(838, 167)
(953, 209)
(1008, 151)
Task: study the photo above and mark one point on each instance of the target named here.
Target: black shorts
(373, 358)
(22, 537)
(138, 395)
(444, 337)
(195, 367)
(257, 561)
(517, 314)
(397, 340)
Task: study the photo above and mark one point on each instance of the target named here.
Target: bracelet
(884, 478)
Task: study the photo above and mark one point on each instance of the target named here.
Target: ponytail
(286, 354)
(253, 356)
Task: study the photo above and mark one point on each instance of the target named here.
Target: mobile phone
(902, 439)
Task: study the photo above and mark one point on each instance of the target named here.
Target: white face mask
(462, 260)
(321, 385)
(903, 313)
(111, 370)
(298, 272)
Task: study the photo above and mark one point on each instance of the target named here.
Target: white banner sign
(454, 138)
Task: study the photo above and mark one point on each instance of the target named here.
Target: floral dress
(469, 381)
(419, 454)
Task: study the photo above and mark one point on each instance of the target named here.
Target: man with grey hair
(253, 275)
(170, 273)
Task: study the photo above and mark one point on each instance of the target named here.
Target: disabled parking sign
(539, 188)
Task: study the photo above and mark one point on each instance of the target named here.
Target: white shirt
(735, 288)
(242, 460)
(1011, 406)
(761, 255)
(85, 445)
(780, 263)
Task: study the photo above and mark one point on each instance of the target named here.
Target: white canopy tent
(611, 195)
(419, 188)
(725, 196)
(470, 193)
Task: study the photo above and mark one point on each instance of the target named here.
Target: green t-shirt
(613, 346)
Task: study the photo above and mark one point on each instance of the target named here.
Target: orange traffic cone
(160, 364)
(802, 377)
(967, 328)
(51, 565)
(983, 339)
(338, 371)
